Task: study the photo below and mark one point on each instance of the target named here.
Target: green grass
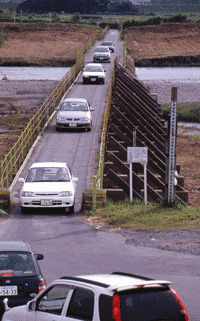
(152, 217)
(185, 112)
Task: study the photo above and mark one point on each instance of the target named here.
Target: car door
(49, 306)
(81, 305)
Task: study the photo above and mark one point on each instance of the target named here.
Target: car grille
(46, 194)
(72, 119)
(38, 203)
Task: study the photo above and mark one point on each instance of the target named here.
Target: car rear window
(150, 304)
(17, 264)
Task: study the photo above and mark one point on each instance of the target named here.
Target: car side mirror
(30, 306)
(57, 108)
(91, 108)
(75, 179)
(104, 70)
(21, 180)
(39, 256)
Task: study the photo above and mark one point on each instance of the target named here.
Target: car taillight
(42, 286)
(116, 308)
(181, 304)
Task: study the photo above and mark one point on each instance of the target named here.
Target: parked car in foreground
(109, 44)
(48, 185)
(93, 73)
(103, 297)
(20, 274)
(74, 113)
(101, 53)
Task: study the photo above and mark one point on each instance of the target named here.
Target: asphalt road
(71, 246)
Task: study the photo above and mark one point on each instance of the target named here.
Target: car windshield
(48, 174)
(17, 264)
(107, 44)
(73, 106)
(101, 49)
(94, 69)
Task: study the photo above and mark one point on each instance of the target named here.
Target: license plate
(101, 58)
(93, 79)
(72, 124)
(46, 202)
(8, 290)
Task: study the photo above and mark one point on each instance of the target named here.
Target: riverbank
(167, 44)
(53, 45)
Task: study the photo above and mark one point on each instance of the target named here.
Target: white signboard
(137, 154)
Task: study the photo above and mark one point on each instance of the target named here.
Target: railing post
(2, 174)
(6, 164)
(94, 192)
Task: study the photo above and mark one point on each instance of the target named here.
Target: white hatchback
(93, 73)
(48, 185)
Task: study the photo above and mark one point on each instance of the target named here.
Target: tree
(122, 7)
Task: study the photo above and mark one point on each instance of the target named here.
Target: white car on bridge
(48, 185)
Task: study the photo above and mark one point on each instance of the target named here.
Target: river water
(169, 73)
(57, 73)
(34, 73)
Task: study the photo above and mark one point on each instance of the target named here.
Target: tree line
(78, 6)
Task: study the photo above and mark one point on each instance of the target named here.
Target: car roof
(101, 47)
(15, 246)
(118, 281)
(48, 164)
(94, 64)
(75, 100)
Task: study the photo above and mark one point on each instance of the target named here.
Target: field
(168, 44)
(50, 45)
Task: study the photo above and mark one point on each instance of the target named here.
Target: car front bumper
(47, 202)
(73, 125)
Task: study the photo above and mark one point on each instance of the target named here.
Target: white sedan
(48, 185)
(93, 73)
(74, 113)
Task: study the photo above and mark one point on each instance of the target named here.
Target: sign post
(138, 155)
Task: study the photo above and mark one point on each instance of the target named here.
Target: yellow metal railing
(15, 157)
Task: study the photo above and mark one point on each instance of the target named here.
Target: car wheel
(103, 82)
(71, 209)
(57, 129)
(84, 81)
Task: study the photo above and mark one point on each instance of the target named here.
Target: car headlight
(65, 194)
(28, 194)
(60, 118)
(85, 119)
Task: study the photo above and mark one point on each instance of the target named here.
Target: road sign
(137, 154)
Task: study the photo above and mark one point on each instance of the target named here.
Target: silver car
(109, 44)
(74, 113)
(101, 53)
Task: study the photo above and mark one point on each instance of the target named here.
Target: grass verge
(185, 112)
(152, 217)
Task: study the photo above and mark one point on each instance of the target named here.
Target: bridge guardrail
(17, 154)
